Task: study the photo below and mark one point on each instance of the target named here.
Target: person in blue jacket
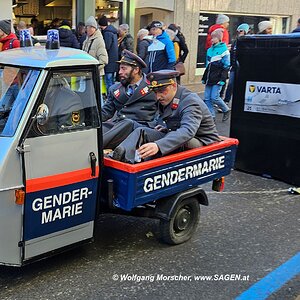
(216, 73)
(110, 36)
(161, 53)
(66, 37)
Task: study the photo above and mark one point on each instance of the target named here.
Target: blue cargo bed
(148, 181)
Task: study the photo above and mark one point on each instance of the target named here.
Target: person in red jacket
(8, 40)
(221, 22)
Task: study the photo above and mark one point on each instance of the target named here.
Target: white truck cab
(49, 121)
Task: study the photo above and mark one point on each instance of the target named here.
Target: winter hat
(244, 27)
(103, 21)
(218, 33)
(5, 26)
(91, 21)
(221, 19)
(263, 25)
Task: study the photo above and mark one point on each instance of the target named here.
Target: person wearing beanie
(8, 39)
(94, 45)
(265, 27)
(103, 22)
(66, 37)
(217, 34)
(215, 74)
(241, 30)
(222, 21)
(110, 36)
(91, 22)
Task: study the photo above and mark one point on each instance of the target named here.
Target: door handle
(93, 160)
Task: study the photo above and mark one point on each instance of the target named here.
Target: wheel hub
(182, 220)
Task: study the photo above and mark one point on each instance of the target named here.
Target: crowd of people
(143, 93)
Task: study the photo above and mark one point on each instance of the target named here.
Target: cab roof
(40, 57)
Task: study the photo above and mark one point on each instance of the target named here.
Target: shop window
(206, 20)
(111, 9)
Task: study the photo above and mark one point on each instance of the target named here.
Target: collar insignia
(117, 93)
(175, 103)
(144, 91)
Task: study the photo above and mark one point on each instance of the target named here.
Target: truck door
(62, 164)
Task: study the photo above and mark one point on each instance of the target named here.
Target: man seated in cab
(129, 104)
(65, 107)
(184, 122)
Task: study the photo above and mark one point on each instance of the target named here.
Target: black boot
(118, 154)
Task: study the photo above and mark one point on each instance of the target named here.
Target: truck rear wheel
(182, 224)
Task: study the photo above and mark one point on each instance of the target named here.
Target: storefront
(194, 17)
(206, 19)
(73, 10)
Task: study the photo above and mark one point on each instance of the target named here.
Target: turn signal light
(20, 197)
(218, 184)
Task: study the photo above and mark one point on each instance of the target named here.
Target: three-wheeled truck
(54, 179)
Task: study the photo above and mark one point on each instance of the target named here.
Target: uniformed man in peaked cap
(130, 103)
(184, 121)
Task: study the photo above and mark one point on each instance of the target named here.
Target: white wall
(6, 9)
(165, 4)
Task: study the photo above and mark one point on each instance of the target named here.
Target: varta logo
(252, 88)
(269, 89)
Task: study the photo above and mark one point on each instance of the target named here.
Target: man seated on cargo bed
(184, 122)
(129, 104)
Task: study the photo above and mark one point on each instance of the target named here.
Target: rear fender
(165, 206)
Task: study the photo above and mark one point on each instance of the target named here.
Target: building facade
(193, 16)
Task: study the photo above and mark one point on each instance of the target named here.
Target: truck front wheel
(182, 223)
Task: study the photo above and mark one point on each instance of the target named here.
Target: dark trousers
(153, 135)
(115, 133)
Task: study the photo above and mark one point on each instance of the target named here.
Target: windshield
(16, 86)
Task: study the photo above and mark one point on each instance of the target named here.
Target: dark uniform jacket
(186, 117)
(140, 107)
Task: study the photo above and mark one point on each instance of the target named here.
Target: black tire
(183, 223)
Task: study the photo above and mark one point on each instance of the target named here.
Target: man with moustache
(129, 104)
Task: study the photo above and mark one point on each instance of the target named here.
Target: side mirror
(42, 114)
